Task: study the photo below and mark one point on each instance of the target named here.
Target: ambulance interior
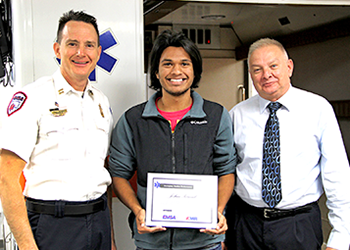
(316, 35)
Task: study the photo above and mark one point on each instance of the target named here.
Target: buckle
(266, 211)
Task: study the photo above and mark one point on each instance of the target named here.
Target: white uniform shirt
(63, 138)
(312, 156)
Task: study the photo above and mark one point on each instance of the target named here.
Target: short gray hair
(265, 42)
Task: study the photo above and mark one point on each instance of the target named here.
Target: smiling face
(175, 71)
(270, 70)
(79, 52)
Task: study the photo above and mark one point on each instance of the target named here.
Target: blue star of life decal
(106, 61)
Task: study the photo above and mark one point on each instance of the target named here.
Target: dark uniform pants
(250, 230)
(215, 246)
(88, 232)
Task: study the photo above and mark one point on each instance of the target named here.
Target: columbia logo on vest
(198, 122)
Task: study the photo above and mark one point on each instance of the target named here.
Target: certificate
(179, 200)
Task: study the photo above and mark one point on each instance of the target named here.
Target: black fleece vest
(189, 150)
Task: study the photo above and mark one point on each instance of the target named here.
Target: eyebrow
(274, 61)
(76, 41)
(255, 65)
(169, 60)
(71, 40)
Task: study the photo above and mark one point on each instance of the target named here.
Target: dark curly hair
(174, 39)
(76, 16)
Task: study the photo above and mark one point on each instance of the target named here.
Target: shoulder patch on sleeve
(16, 103)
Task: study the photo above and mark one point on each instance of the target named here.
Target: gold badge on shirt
(101, 111)
(56, 112)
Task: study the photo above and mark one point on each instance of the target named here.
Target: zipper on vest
(185, 153)
(173, 152)
(171, 238)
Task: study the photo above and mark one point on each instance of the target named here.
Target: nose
(176, 69)
(267, 73)
(81, 50)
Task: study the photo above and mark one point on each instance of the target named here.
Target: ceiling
(252, 21)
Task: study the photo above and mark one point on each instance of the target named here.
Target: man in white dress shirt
(312, 160)
(57, 132)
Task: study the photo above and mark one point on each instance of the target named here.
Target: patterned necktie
(271, 179)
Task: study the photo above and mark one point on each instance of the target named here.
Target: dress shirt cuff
(338, 241)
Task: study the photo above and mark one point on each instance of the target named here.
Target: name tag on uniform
(58, 112)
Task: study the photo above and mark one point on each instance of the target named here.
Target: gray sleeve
(122, 152)
(225, 157)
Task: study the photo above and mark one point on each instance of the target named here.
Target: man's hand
(113, 247)
(221, 227)
(142, 228)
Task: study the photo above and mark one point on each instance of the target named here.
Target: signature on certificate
(186, 196)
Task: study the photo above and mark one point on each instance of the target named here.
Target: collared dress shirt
(63, 135)
(313, 158)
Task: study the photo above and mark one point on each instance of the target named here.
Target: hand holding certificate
(186, 201)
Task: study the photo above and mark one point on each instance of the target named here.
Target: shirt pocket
(62, 136)
(99, 138)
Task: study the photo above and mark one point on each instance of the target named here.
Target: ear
(157, 75)
(99, 51)
(290, 67)
(56, 49)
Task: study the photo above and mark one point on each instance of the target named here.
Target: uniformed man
(57, 133)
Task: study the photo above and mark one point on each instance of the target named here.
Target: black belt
(274, 213)
(62, 208)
